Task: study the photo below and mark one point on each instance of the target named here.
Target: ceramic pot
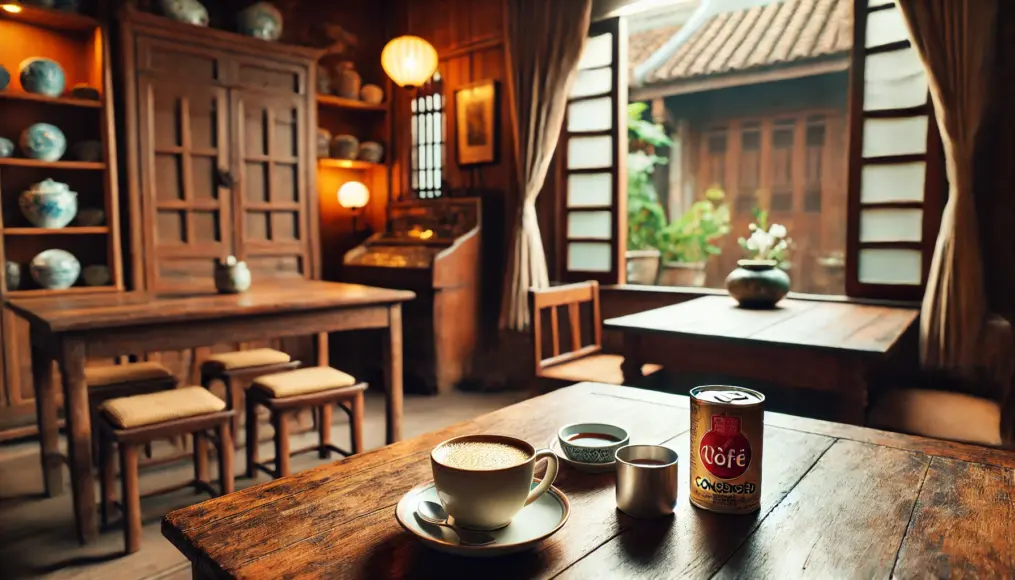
(344, 147)
(49, 204)
(90, 217)
(6, 147)
(323, 142)
(758, 283)
(231, 276)
(12, 272)
(43, 141)
(323, 80)
(84, 91)
(42, 76)
(189, 11)
(87, 151)
(55, 269)
(372, 94)
(96, 275)
(346, 81)
(5, 77)
(642, 266)
(682, 274)
(371, 151)
(260, 20)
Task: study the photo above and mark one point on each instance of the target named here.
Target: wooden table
(70, 329)
(837, 501)
(801, 344)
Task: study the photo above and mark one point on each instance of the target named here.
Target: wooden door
(185, 168)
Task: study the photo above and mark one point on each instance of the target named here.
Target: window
(792, 108)
(428, 139)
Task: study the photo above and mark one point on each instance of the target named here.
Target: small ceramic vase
(84, 91)
(189, 11)
(55, 269)
(323, 80)
(43, 141)
(5, 77)
(89, 217)
(49, 204)
(344, 147)
(260, 20)
(372, 94)
(231, 276)
(96, 275)
(371, 151)
(6, 147)
(12, 272)
(323, 142)
(758, 284)
(42, 76)
(87, 151)
(346, 81)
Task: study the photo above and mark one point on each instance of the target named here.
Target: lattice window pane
(589, 257)
(888, 183)
(598, 52)
(891, 225)
(885, 27)
(590, 224)
(590, 115)
(592, 82)
(589, 152)
(589, 189)
(890, 266)
(884, 137)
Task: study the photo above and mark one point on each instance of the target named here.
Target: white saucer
(536, 522)
(554, 446)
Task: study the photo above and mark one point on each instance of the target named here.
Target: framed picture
(476, 115)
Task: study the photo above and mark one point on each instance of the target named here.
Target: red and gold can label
(727, 428)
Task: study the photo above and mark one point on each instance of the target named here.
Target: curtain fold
(956, 41)
(544, 42)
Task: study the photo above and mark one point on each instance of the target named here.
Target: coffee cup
(484, 480)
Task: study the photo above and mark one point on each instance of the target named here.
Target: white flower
(760, 241)
(752, 227)
(777, 231)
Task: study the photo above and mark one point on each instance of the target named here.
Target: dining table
(837, 501)
(70, 329)
(828, 347)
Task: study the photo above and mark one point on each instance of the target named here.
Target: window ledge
(683, 291)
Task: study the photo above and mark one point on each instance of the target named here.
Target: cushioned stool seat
(257, 357)
(116, 374)
(303, 381)
(140, 410)
(938, 414)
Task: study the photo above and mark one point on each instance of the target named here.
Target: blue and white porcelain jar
(43, 141)
(231, 276)
(260, 20)
(6, 147)
(55, 269)
(42, 76)
(49, 204)
(189, 11)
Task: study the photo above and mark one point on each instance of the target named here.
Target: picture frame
(477, 115)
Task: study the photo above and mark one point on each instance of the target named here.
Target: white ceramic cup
(487, 499)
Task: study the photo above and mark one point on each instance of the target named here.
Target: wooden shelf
(67, 101)
(347, 164)
(343, 103)
(39, 292)
(68, 231)
(55, 19)
(22, 162)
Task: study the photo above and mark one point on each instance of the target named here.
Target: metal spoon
(433, 513)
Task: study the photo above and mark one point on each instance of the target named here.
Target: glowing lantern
(353, 195)
(410, 61)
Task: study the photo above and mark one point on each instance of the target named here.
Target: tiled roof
(644, 43)
(783, 32)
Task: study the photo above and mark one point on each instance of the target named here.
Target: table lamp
(353, 196)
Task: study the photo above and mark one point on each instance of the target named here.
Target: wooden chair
(581, 362)
(131, 422)
(236, 370)
(115, 381)
(289, 392)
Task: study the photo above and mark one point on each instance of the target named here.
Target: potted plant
(646, 217)
(760, 281)
(689, 240)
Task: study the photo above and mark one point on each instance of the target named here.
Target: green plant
(766, 242)
(692, 237)
(645, 215)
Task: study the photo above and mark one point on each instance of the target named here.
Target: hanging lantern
(353, 195)
(410, 61)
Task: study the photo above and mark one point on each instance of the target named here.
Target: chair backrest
(572, 296)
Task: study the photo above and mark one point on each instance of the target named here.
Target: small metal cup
(649, 489)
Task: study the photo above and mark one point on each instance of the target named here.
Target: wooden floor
(36, 534)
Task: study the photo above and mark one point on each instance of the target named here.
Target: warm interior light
(410, 61)
(353, 195)
(12, 8)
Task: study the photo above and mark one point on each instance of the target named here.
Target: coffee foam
(480, 455)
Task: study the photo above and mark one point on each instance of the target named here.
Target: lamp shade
(410, 61)
(353, 195)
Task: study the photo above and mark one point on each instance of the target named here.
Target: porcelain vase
(43, 141)
(260, 20)
(189, 11)
(231, 276)
(49, 204)
(42, 76)
(758, 284)
(55, 269)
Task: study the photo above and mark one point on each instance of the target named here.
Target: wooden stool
(237, 369)
(115, 381)
(308, 388)
(130, 422)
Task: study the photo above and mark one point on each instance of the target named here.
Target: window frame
(433, 88)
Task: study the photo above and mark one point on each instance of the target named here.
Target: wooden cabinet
(223, 163)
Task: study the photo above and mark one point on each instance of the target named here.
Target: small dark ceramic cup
(589, 450)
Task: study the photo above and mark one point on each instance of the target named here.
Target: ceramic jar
(90, 217)
(12, 273)
(189, 11)
(87, 151)
(346, 81)
(231, 276)
(84, 91)
(323, 80)
(5, 77)
(323, 142)
(260, 20)
(6, 147)
(49, 204)
(42, 76)
(371, 151)
(372, 94)
(96, 275)
(344, 147)
(758, 284)
(43, 141)
(55, 269)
